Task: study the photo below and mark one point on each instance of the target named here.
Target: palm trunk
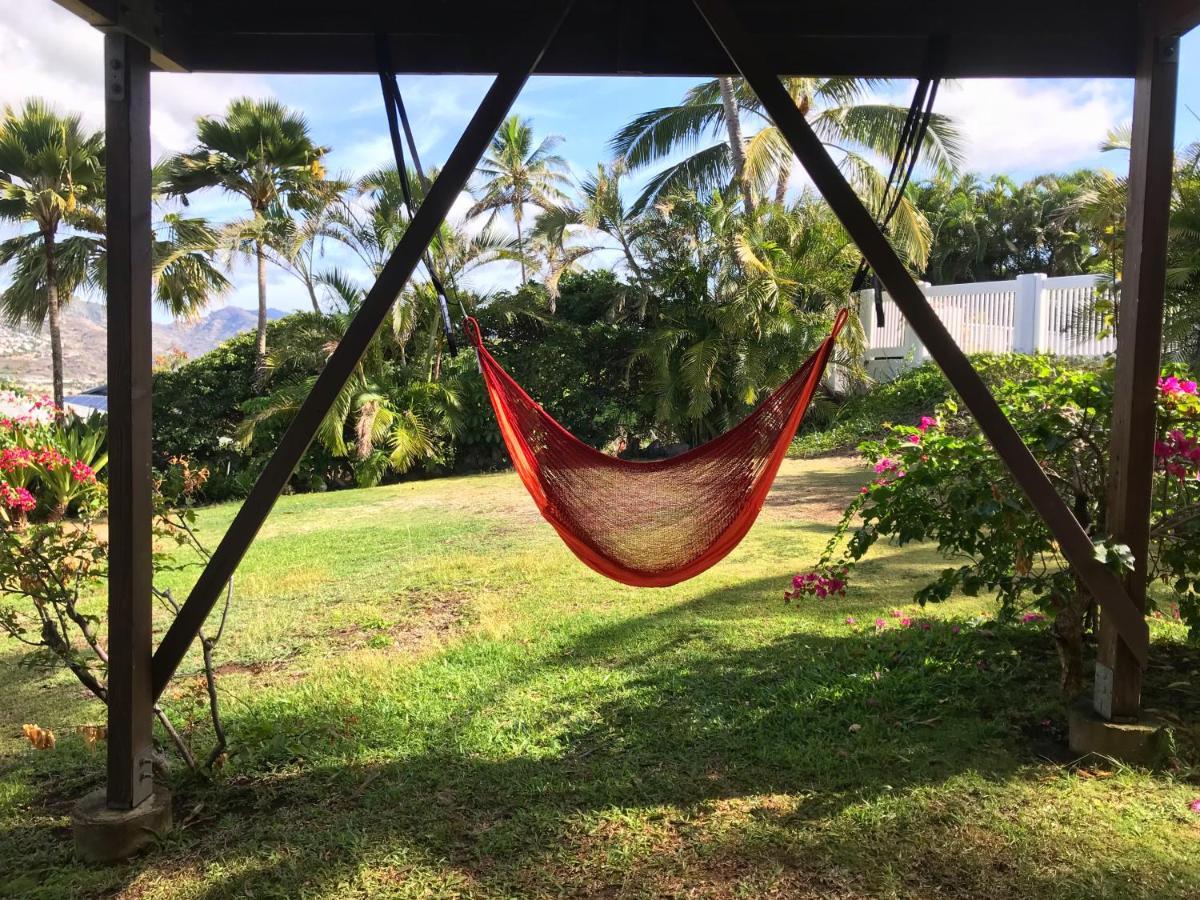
(628, 251)
(520, 246)
(312, 295)
(737, 146)
(56, 350)
(260, 347)
(781, 186)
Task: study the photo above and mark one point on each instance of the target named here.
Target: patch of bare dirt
(819, 495)
(427, 620)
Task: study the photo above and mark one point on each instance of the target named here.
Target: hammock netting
(655, 523)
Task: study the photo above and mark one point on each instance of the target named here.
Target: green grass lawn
(428, 696)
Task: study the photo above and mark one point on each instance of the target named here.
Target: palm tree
(516, 173)
(384, 418)
(371, 228)
(51, 175)
(739, 300)
(261, 151)
(295, 243)
(851, 127)
(600, 208)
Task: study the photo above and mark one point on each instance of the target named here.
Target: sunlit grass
(428, 696)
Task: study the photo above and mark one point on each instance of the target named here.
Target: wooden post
(130, 605)
(1074, 541)
(1118, 683)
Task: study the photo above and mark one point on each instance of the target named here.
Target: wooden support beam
(1076, 546)
(395, 274)
(1177, 16)
(1118, 682)
(130, 509)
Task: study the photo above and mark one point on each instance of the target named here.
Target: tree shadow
(776, 740)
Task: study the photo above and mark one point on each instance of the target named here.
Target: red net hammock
(650, 524)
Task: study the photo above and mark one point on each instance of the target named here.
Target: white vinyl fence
(1033, 314)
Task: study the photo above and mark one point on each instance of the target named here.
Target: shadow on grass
(704, 762)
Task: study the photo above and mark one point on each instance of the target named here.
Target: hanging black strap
(396, 114)
(908, 151)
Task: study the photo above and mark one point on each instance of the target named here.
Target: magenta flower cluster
(1179, 454)
(17, 499)
(14, 458)
(818, 585)
(1172, 385)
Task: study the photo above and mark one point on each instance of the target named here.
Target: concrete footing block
(104, 835)
(1142, 742)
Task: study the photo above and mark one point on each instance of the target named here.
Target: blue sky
(1020, 127)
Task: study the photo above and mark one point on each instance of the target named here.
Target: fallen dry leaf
(40, 738)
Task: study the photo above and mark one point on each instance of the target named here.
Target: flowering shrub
(52, 565)
(941, 481)
(48, 460)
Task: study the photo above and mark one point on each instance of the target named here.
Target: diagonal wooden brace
(392, 279)
(1075, 543)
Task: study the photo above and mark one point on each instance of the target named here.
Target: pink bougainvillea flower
(927, 422)
(954, 629)
(19, 499)
(850, 620)
(885, 465)
(906, 622)
(926, 626)
(880, 624)
(895, 614)
(1032, 617)
(1194, 806)
(914, 439)
(15, 458)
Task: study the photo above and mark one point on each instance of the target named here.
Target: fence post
(1030, 315)
(913, 348)
(866, 314)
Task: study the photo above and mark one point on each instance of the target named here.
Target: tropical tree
(852, 127)
(386, 417)
(51, 177)
(373, 225)
(1102, 202)
(296, 243)
(517, 172)
(261, 151)
(737, 301)
(1000, 228)
(599, 209)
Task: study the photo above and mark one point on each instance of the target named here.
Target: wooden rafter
(659, 37)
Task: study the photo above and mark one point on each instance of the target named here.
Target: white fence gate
(1033, 314)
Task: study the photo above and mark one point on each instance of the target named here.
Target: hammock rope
(656, 523)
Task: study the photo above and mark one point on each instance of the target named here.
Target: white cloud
(1013, 124)
(53, 54)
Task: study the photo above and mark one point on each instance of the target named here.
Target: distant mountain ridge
(25, 354)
